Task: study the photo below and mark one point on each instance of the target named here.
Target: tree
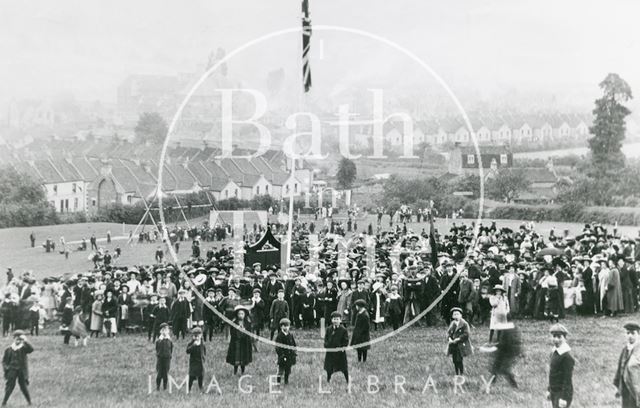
(346, 174)
(23, 201)
(507, 184)
(468, 183)
(609, 127)
(16, 188)
(151, 127)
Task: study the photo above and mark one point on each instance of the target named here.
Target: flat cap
(631, 326)
(558, 329)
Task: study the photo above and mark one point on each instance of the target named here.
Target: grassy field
(117, 372)
(15, 250)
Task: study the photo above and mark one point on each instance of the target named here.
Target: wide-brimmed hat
(200, 279)
(240, 307)
(360, 302)
(499, 287)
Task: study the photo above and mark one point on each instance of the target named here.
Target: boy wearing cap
(279, 310)
(394, 307)
(459, 344)
(147, 315)
(627, 378)
(180, 312)
(336, 336)
(164, 351)
(286, 356)
(257, 314)
(16, 367)
(196, 351)
(560, 391)
(209, 315)
(160, 314)
(358, 294)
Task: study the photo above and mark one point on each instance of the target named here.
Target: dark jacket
(110, 308)
(240, 351)
(560, 375)
(164, 348)
(16, 360)
(335, 360)
(459, 331)
(196, 358)
(279, 310)
(361, 330)
(180, 309)
(286, 357)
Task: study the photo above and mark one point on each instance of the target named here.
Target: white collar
(564, 348)
(16, 347)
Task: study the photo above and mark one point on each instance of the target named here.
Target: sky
(488, 48)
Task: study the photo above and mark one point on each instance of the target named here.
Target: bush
(571, 212)
(27, 215)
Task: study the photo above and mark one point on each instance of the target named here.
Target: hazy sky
(88, 47)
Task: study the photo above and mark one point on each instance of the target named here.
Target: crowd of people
(413, 276)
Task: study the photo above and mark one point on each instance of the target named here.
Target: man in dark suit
(627, 379)
(465, 295)
(336, 336)
(180, 312)
(16, 367)
(560, 390)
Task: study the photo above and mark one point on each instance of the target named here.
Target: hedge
(570, 212)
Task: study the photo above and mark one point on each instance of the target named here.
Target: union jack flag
(306, 46)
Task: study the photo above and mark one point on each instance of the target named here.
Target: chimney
(105, 167)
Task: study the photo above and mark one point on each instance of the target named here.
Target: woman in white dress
(48, 299)
(499, 311)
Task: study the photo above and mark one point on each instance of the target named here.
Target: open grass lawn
(116, 372)
(16, 253)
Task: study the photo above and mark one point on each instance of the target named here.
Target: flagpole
(306, 83)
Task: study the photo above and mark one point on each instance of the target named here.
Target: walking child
(160, 315)
(197, 352)
(336, 336)
(16, 367)
(458, 336)
(560, 390)
(239, 353)
(286, 356)
(147, 316)
(164, 351)
(361, 330)
(279, 310)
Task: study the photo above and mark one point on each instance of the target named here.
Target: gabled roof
(201, 174)
(489, 149)
(215, 170)
(451, 125)
(232, 170)
(262, 166)
(68, 172)
(24, 167)
(48, 172)
(184, 179)
(217, 184)
(245, 166)
(87, 172)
